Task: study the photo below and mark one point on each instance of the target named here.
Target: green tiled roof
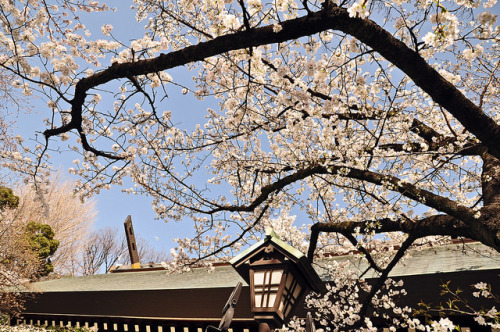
(442, 259)
(224, 276)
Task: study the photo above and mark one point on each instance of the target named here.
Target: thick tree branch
(433, 225)
(393, 183)
(491, 180)
(440, 203)
(467, 150)
(336, 18)
(409, 190)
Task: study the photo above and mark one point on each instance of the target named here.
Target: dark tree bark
(335, 18)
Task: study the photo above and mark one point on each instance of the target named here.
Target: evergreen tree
(8, 199)
(42, 242)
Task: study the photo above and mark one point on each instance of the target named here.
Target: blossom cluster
(319, 129)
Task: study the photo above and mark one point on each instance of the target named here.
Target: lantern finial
(270, 233)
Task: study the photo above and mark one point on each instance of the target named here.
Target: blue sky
(114, 206)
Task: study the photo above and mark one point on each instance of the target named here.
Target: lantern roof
(301, 263)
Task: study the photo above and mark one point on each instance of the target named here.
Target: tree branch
(409, 61)
(393, 183)
(381, 280)
(433, 225)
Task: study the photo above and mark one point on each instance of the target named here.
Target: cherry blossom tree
(362, 117)
(12, 103)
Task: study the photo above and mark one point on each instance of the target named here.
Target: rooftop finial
(132, 247)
